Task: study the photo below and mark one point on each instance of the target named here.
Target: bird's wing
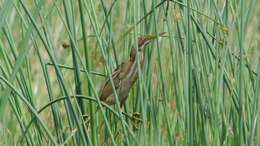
(107, 89)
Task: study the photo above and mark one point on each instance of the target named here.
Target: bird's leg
(134, 116)
(87, 118)
(135, 119)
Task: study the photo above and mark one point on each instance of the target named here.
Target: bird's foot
(135, 117)
(136, 120)
(86, 119)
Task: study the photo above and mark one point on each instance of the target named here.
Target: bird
(126, 74)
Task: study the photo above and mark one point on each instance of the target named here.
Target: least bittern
(126, 74)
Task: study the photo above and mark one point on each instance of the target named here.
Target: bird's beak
(162, 34)
(153, 37)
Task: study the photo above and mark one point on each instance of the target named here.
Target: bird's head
(142, 42)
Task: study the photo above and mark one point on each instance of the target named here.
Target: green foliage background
(200, 85)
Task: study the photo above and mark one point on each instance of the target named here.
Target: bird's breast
(132, 74)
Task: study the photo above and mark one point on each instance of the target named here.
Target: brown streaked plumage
(125, 75)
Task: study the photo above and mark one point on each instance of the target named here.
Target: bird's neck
(141, 59)
(133, 67)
